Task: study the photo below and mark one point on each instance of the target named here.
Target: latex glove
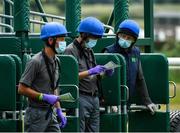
(152, 107)
(61, 117)
(109, 72)
(114, 109)
(49, 98)
(96, 70)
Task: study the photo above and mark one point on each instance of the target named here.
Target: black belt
(38, 107)
(88, 93)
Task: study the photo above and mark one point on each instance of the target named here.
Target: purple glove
(96, 70)
(51, 99)
(109, 72)
(61, 117)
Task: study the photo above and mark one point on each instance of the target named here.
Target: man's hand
(114, 109)
(152, 107)
(96, 70)
(49, 98)
(109, 72)
(61, 117)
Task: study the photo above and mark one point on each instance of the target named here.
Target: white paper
(111, 65)
(67, 97)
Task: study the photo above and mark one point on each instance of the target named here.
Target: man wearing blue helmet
(126, 37)
(39, 83)
(90, 30)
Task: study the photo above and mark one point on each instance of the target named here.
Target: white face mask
(124, 43)
(91, 43)
(61, 47)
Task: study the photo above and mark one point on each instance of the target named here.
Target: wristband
(40, 97)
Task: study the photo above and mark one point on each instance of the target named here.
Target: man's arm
(27, 78)
(142, 87)
(27, 91)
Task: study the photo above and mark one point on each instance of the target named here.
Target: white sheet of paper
(67, 97)
(111, 65)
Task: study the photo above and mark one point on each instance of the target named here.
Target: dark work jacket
(135, 78)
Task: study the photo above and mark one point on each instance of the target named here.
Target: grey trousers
(89, 113)
(34, 121)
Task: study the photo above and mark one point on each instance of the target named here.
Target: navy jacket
(135, 77)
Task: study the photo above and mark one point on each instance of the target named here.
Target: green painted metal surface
(155, 68)
(123, 93)
(71, 124)
(69, 81)
(10, 45)
(69, 70)
(110, 122)
(36, 44)
(149, 23)
(19, 98)
(121, 10)
(7, 11)
(8, 83)
(102, 43)
(142, 121)
(21, 15)
(73, 16)
(10, 125)
(110, 85)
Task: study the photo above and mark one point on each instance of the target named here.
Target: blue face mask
(62, 47)
(91, 43)
(124, 43)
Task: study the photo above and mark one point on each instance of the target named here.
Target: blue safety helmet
(53, 29)
(92, 26)
(129, 27)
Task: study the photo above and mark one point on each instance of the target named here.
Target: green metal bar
(7, 11)
(40, 7)
(110, 21)
(144, 42)
(21, 16)
(22, 23)
(73, 16)
(120, 11)
(149, 23)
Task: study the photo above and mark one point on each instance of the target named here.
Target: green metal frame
(7, 11)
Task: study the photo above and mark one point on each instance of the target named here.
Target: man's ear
(50, 41)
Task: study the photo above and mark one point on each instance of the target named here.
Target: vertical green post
(121, 10)
(21, 22)
(73, 16)
(149, 23)
(7, 11)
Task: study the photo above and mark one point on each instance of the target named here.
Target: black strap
(51, 75)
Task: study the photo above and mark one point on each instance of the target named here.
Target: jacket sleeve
(142, 87)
